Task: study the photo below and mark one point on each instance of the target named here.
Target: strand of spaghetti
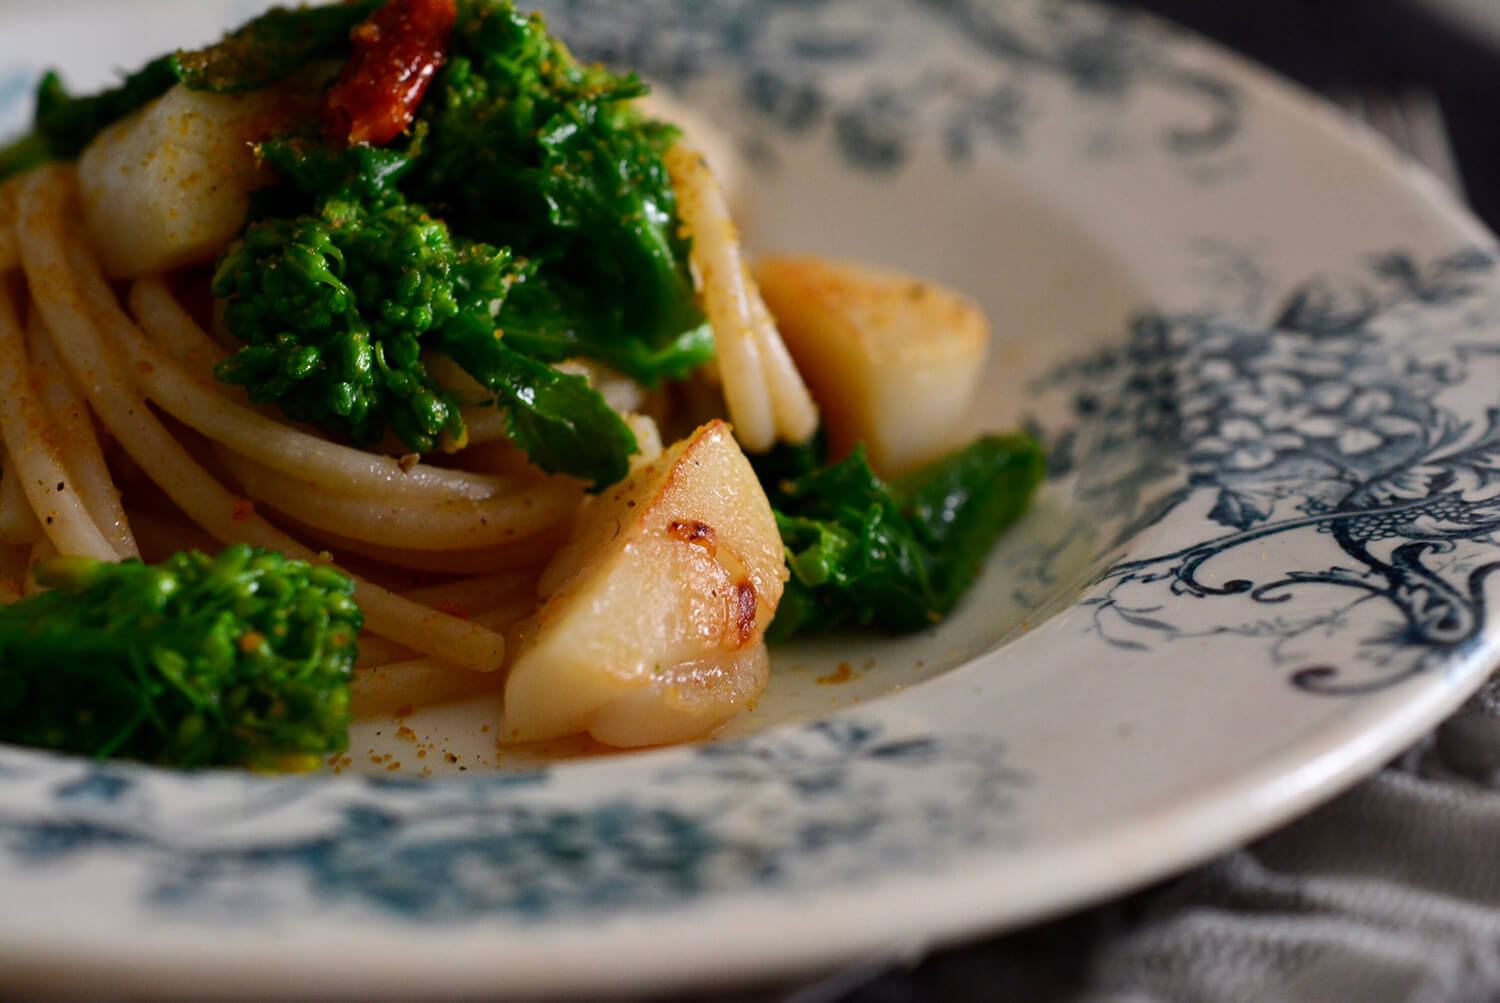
(162, 317)
(35, 453)
(160, 534)
(791, 401)
(479, 591)
(420, 682)
(377, 651)
(395, 688)
(489, 600)
(48, 241)
(717, 258)
(194, 399)
(530, 552)
(451, 524)
(215, 509)
(496, 611)
(80, 445)
(18, 523)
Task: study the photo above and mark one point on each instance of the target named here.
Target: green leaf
(786, 461)
(959, 505)
(894, 557)
(562, 423)
(63, 124)
(553, 321)
(364, 174)
(68, 123)
(23, 153)
(271, 47)
(848, 544)
(800, 612)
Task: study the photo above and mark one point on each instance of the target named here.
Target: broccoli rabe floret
(337, 307)
(504, 82)
(334, 306)
(239, 659)
(532, 149)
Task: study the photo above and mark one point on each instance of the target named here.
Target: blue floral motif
(835, 66)
(1329, 418)
(827, 804)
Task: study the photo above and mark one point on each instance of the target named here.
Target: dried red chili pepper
(396, 54)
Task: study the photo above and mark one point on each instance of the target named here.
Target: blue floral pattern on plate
(1326, 417)
(1104, 57)
(823, 805)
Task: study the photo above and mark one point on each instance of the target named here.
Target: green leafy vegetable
(314, 172)
(68, 123)
(271, 47)
(239, 659)
(64, 124)
(897, 557)
(851, 553)
(552, 320)
(531, 149)
(557, 231)
(30, 150)
(957, 506)
(562, 423)
(334, 308)
(787, 461)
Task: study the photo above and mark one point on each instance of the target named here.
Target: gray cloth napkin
(1390, 893)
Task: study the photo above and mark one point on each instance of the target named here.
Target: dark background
(1342, 45)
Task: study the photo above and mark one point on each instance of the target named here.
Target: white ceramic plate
(1264, 355)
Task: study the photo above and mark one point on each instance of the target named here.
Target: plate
(1262, 352)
